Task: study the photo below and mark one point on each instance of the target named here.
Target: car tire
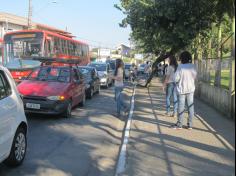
(67, 113)
(82, 103)
(18, 149)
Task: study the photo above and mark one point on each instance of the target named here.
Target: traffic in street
(86, 144)
(117, 88)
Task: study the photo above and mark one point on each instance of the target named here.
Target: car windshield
(51, 74)
(113, 65)
(21, 63)
(143, 65)
(127, 66)
(86, 73)
(99, 67)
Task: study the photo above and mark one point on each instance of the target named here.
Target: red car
(53, 90)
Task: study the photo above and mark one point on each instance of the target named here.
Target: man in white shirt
(185, 79)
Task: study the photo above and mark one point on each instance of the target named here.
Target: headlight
(103, 80)
(56, 98)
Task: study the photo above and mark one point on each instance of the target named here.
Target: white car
(104, 73)
(13, 124)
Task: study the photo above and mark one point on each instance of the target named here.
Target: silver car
(104, 73)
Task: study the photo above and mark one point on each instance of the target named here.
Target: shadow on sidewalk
(183, 156)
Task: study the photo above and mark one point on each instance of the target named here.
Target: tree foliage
(171, 25)
(164, 27)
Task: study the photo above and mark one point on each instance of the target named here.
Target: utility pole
(30, 15)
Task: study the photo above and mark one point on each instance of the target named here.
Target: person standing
(119, 87)
(147, 70)
(170, 87)
(185, 79)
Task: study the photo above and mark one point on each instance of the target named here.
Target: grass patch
(225, 78)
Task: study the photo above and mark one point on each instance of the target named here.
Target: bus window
(24, 45)
(57, 46)
(47, 48)
(65, 48)
(79, 51)
(73, 49)
(71, 52)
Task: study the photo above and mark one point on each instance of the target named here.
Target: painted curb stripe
(122, 157)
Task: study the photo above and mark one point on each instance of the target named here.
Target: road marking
(122, 157)
(222, 139)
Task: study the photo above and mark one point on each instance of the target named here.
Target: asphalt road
(85, 145)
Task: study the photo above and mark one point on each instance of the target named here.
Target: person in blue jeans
(119, 87)
(185, 79)
(170, 87)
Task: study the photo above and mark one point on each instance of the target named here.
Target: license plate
(33, 106)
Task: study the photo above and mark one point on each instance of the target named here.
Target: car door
(81, 84)
(94, 80)
(8, 110)
(76, 88)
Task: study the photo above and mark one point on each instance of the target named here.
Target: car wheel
(18, 149)
(67, 113)
(82, 103)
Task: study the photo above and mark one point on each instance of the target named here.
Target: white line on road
(122, 157)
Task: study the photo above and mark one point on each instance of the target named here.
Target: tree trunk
(217, 82)
(209, 56)
(161, 58)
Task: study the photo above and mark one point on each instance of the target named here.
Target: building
(124, 50)
(10, 22)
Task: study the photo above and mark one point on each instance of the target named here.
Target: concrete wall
(218, 98)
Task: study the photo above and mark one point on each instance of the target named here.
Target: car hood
(42, 88)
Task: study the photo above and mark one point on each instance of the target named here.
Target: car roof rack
(56, 60)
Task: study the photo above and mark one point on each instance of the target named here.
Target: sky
(95, 22)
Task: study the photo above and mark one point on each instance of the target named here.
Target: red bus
(1, 51)
(20, 47)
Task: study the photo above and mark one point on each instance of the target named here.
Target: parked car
(141, 68)
(127, 70)
(53, 90)
(104, 73)
(112, 64)
(92, 80)
(13, 124)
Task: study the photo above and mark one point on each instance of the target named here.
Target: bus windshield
(22, 45)
(23, 48)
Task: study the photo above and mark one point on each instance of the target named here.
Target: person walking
(169, 86)
(119, 87)
(185, 79)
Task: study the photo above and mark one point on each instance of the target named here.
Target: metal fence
(207, 71)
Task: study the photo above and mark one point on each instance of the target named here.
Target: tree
(165, 27)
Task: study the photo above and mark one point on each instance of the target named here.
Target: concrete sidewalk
(155, 150)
